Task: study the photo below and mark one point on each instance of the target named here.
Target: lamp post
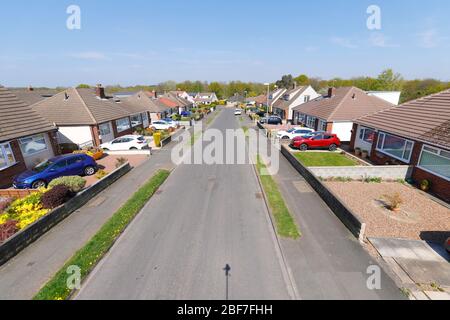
(268, 93)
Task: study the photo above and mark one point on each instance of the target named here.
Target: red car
(320, 141)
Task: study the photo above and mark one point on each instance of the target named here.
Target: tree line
(387, 80)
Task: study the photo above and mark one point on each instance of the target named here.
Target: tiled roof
(168, 102)
(17, 119)
(31, 97)
(79, 107)
(426, 119)
(142, 99)
(347, 104)
(295, 93)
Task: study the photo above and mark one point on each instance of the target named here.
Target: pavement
(23, 276)
(328, 262)
(206, 217)
(418, 265)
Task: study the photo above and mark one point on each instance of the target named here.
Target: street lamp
(268, 94)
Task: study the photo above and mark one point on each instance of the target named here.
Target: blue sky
(147, 42)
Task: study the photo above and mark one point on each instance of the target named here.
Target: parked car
(447, 245)
(321, 141)
(294, 132)
(272, 120)
(130, 142)
(61, 166)
(238, 112)
(171, 122)
(185, 114)
(160, 125)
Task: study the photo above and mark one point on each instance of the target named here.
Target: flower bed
(25, 211)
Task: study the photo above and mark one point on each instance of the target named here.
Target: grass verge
(325, 159)
(285, 223)
(88, 256)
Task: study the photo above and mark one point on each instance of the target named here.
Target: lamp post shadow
(227, 270)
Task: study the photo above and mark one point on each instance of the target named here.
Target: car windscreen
(141, 138)
(42, 166)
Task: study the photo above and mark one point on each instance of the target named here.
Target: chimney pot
(331, 92)
(100, 91)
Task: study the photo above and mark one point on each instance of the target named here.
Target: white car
(161, 125)
(294, 132)
(130, 142)
(238, 112)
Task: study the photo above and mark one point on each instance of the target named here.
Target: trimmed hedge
(74, 183)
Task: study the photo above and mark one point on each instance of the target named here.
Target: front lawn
(325, 159)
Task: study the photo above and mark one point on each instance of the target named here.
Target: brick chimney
(100, 91)
(331, 92)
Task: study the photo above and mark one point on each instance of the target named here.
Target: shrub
(5, 203)
(74, 183)
(56, 197)
(394, 201)
(373, 180)
(26, 210)
(121, 161)
(425, 185)
(7, 230)
(101, 174)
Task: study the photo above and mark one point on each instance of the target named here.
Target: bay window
(396, 147)
(436, 161)
(6, 156)
(311, 122)
(32, 145)
(136, 120)
(123, 124)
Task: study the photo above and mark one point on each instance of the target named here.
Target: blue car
(185, 114)
(66, 165)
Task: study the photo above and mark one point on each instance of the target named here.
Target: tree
(287, 82)
(83, 86)
(302, 80)
(390, 81)
(217, 88)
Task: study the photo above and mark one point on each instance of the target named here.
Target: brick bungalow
(87, 117)
(26, 138)
(284, 107)
(415, 133)
(336, 111)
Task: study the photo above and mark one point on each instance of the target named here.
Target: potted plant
(394, 202)
(425, 185)
(357, 152)
(364, 154)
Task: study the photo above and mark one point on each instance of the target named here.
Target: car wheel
(133, 148)
(285, 138)
(333, 147)
(89, 171)
(304, 147)
(39, 184)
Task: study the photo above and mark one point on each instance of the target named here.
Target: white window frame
(310, 119)
(380, 133)
(117, 124)
(362, 133)
(140, 120)
(107, 124)
(3, 154)
(41, 137)
(439, 151)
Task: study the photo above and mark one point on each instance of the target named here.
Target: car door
(75, 166)
(116, 144)
(317, 141)
(327, 140)
(58, 169)
(127, 143)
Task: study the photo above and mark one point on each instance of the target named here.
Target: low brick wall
(24, 238)
(15, 193)
(345, 214)
(361, 172)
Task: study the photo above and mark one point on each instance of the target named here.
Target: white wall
(32, 160)
(343, 130)
(359, 143)
(77, 135)
(301, 100)
(389, 96)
